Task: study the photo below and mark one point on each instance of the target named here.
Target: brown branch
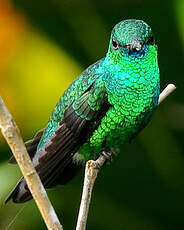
(91, 172)
(12, 135)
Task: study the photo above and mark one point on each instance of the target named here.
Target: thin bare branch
(91, 172)
(166, 92)
(12, 135)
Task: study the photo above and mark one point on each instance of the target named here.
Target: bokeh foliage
(44, 45)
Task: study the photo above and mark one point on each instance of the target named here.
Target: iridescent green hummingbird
(106, 106)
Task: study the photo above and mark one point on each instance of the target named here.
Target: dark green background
(144, 186)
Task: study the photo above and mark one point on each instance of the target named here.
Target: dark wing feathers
(31, 146)
(77, 124)
(64, 143)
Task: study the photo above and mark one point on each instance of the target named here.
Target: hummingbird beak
(135, 45)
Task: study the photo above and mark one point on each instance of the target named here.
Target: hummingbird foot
(108, 158)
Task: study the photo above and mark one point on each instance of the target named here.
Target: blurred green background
(44, 45)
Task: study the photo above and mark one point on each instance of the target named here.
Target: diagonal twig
(168, 90)
(12, 135)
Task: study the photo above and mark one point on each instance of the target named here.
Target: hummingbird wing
(31, 146)
(78, 122)
(80, 119)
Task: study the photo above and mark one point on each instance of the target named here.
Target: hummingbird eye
(115, 44)
(151, 40)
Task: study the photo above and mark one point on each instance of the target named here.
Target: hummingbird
(105, 107)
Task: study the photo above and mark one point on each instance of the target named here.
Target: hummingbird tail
(20, 193)
(11, 195)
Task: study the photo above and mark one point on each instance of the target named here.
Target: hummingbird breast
(133, 97)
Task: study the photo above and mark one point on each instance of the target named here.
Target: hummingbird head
(131, 38)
